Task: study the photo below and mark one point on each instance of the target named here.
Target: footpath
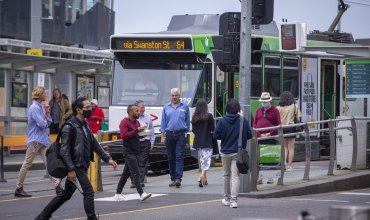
(294, 185)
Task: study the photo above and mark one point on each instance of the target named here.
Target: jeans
(231, 172)
(175, 144)
(131, 169)
(54, 128)
(33, 149)
(70, 188)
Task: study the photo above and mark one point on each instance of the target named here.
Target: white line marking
(320, 200)
(128, 197)
(354, 193)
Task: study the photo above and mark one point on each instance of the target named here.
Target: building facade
(71, 56)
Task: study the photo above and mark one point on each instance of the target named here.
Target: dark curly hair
(232, 106)
(286, 99)
(201, 112)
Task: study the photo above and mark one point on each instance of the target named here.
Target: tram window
(272, 81)
(272, 61)
(256, 81)
(204, 87)
(290, 76)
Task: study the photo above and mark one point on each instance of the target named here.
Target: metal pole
(2, 160)
(36, 14)
(245, 74)
(354, 138)
(282, 156)
(308, 152)
(332, 147)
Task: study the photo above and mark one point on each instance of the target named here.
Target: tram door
(223, 91)
(329, 105)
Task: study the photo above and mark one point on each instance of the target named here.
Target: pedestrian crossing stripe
(128, 197)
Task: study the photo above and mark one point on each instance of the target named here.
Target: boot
(19, 192)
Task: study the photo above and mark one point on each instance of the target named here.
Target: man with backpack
(77, 147)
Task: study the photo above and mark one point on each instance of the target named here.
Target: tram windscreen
(152, 82)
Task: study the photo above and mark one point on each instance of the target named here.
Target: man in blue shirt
(174, 125)
(37, 138)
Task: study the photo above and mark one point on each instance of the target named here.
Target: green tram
(146, 66)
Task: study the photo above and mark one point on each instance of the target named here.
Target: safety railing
(306, 133)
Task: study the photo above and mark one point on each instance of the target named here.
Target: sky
(136, 16)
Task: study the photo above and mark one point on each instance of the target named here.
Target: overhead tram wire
(357, 3)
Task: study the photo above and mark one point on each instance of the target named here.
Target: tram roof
(14, 58)
(350, 51)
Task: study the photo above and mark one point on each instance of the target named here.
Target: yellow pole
(94, 172)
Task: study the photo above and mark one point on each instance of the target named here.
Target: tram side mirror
(220, 75)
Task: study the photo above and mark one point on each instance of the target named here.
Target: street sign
(357, 78)
(34, 52)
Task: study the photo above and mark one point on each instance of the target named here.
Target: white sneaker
(289, 169)
(225, 202)
(233, 204)
(145, 196)
(120, 197)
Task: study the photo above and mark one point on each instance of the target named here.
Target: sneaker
(233, 204)
(270, 181)
(226, 202)
(145, 196)
(259, 182)
(289, 169)
(19, 192)
(120, 197)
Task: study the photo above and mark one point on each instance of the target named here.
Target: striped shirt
(145, 119)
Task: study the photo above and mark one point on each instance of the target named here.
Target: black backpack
(55, 165)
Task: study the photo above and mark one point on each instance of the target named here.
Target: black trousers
(143, 160)
(70, 188)
(131, 169)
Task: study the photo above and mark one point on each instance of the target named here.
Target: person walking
(96, 118)
(288, 111)
(266, 116)
(174, 126)
(129, 129)
(37, 139)
(77, 159)
(203, 125)
(60, 111)
(227, 130)
(146, 142)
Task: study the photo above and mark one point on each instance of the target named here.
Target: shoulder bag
(242, 160)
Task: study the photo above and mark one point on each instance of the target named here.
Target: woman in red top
(97, 116)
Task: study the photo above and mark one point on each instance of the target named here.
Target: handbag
(104, 126)
(54, 162)
(242, 160)
(293, 129)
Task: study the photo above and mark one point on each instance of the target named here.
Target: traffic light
(222, 49)
(263, 11)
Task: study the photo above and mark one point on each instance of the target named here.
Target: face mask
(87, 113)
(265, 104)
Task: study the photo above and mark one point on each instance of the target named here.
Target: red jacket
(268, 118)
(95, 119)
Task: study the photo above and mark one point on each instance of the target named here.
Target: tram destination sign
(357, 78)
(170, 44)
